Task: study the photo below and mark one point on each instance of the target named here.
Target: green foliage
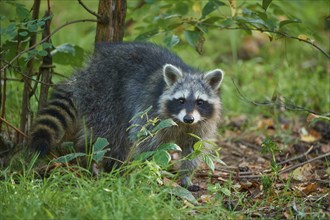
(97, 153)
(148, 130)
(191, 20)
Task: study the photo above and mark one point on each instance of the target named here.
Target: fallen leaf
(303, 173)
(267, 123)
(325, 148)
(308, 138)
(168, 182)
(205, 199)
(311, 117)
(309, 188)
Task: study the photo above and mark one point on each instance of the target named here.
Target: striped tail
(53, 122)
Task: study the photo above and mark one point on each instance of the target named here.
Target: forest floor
(290, 180)
(274, 170)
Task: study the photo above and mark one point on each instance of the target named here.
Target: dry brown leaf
(309, 188)
(303, 173)
(168, 182)
(311, 117)
(308, 138)
(325, 148)
(267, 123)
(205, 199)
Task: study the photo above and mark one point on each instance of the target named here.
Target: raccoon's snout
(188, 119)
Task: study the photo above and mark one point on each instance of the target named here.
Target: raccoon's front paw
(194, 188)
(186, 182)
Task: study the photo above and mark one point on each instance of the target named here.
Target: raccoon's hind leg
(53, 122)
(187, 168)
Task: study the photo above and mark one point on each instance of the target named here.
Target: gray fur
(123, 79)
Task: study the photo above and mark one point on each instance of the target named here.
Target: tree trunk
(25, 109)
(111, 26)
(46, 67)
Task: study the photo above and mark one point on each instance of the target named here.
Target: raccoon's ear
(171, 74)
(214, 78)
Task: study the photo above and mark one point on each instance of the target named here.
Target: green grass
(76, 194)
(282, 66)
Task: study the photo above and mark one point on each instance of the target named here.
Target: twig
(13, 79)
(16, 129)
(252, 175)
(297, 157)
(45, 39)
(303, 163)
(274, 32)
(89, 10)
(3, 100)
(273, 103)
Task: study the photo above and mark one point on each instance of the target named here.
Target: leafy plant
(96, 154)
(269, 147)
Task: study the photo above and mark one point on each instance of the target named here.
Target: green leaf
(164, 124)
(217, 159)
(198, 146)
(100, 144)
(10, 30)
(192, 37)
(145, 36)
(64, 48)
(195, 39)
(41, 23)
(211, 6)
(69, 157)
(171, 40)
(202, 27)
(182, 7)
(285, 22)
(99, 155)
(23, 33)
(169, 146)
(68, 54)
(144, 155)
(162, 158)
(21, 12)
(225, 191)
(266, 3)
(42, 53)
(209, 162)
(195, 136)
(46, 45)
(140, 114)
(67, 146)
(32, 27)
(182, 193)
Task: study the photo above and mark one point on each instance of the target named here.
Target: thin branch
(45, 39)
(253, 175)
(89, 10)
(297, 157)
(12, 79)
(283, 34)
(303, 163)
(16, 129)
(287, 105)
(3, 97)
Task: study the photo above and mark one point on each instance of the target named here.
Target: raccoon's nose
(188, 119)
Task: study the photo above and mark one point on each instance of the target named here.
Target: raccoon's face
(191, 98)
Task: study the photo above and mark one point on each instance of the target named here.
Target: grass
(74, 195)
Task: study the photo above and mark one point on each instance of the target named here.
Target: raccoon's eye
(200, 102)
(181, 100)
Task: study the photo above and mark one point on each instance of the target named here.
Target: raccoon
(121, 80)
